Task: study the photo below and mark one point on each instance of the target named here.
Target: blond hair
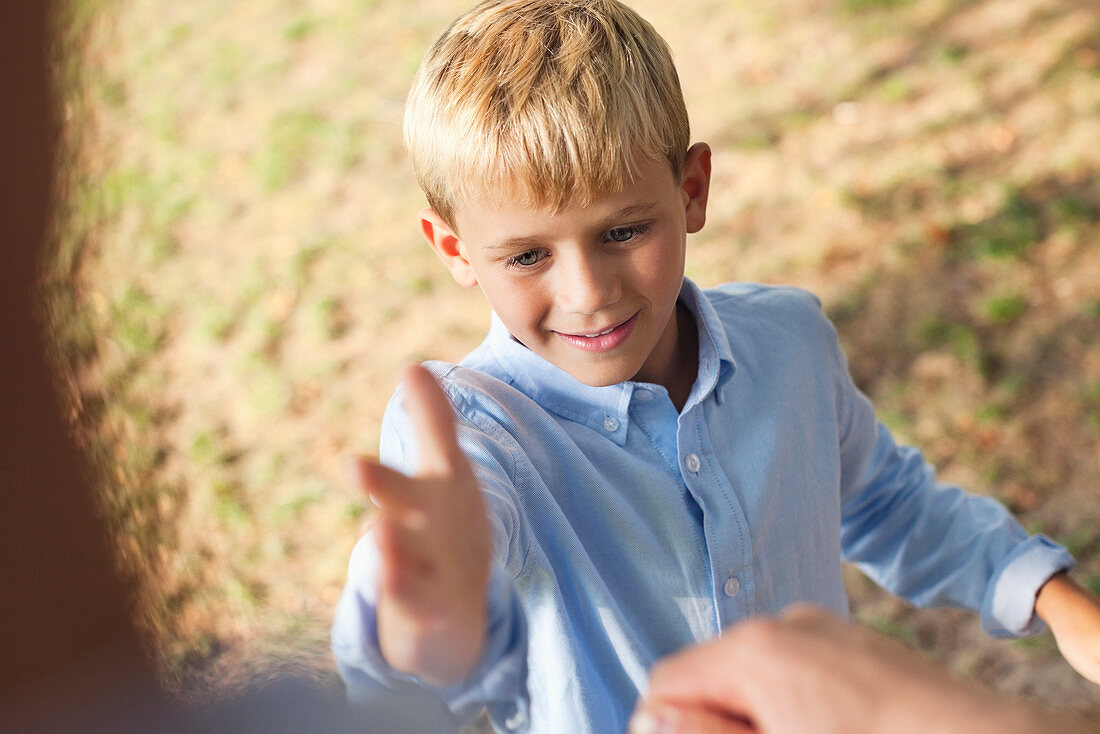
(556, 101)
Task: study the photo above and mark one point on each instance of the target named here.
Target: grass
(1011, 232)
(1004, 309)
(291, 143)
(236, 276)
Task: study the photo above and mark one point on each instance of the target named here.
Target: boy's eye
(526, 259)
(625, 234)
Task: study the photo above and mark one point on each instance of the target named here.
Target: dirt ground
(236, 276)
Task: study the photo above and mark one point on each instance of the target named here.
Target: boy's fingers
(403, 556)
(386, 488)
(435, 423)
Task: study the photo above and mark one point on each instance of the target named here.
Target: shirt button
(516, 720)
(691, 461)
(731, 587)
(643, 394)
(611, 423)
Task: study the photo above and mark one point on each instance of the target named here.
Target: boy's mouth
(601, 341)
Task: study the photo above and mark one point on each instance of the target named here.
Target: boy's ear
(695, 185)
(446, 244)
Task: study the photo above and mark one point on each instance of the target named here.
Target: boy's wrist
(441, 649)
(1059, 596)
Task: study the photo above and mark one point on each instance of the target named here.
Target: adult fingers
(811, 616)
(433, 418)
(669, 720)
(711, 673)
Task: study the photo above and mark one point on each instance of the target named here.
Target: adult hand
(433, 537)
(809, 671)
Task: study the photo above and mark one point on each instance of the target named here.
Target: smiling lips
(603, 341)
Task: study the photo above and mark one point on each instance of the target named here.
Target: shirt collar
(606, 409)
(716, 363)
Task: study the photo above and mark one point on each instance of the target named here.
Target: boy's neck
(685, 359)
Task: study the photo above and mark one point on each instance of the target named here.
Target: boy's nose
(588, 287)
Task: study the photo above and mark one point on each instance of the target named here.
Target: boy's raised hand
(433, 536)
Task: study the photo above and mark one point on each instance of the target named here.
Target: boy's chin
(597, 377)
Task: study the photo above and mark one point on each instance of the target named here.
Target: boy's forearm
(1074, 617)
(440, 651)
(1059, 596)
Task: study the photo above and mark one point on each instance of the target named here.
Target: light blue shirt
(625, 531)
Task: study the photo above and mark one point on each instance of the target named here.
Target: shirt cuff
(499, 682)
(1008, 608)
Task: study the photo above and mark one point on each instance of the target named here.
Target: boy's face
(591, 289)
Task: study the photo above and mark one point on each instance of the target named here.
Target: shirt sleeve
(500, 681)
(926, 541)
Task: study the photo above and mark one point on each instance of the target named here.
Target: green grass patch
(331, 318)
(953, 53)
(1090, 398)
(204, 450)
(1006, 394)
(228, 503)
(1078, 541)
(304, 261)
(1092, 583)
(157, 196)
(300, 28)
(228, 63)
(291, 141)
(992, 413)
(864, 6)
(113, 92)
(1004, 309)
(895, 89)
(1041, 645)
(137, 321)
(894, 628)
(1072, 211)
(293, 508)
(269, 392)
(1010, 233)
(76, 16)
(217, 323)
(244, 595)
(959, 338)
(210, 450)
(420, 285)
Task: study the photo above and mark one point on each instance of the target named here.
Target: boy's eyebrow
(514, 243)
(633, 210)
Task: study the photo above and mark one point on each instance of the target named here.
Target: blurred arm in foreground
(810, 671)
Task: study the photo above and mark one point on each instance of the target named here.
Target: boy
(628, 463)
